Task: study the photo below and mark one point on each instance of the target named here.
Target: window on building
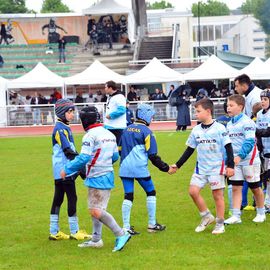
(211, 32)
(218, 31)
(195, 33)
(204, 31)
(226, 27)
(204, 50)
(258, 48)
(258, 30)
(258, 39)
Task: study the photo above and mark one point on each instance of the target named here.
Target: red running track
(47, 130)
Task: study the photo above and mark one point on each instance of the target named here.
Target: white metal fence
(28, 115)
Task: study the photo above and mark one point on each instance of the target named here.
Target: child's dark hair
(206, 104)
(111, 84)
(238, 99)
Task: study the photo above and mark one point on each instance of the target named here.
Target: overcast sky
(78, 5)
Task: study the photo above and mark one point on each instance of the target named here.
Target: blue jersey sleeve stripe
(120, 111)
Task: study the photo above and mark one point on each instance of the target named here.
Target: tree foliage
(249, 6)
(13, 6)
(210, 8)
(261, 13)
(158, 5)
(49, 6)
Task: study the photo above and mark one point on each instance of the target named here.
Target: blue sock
(260, 211)
(245, 194)
(126, 210)
(151, 203)
(54, 228)
(73, 224)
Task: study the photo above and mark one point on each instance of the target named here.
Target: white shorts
(98, 198)
(215, 181)
(250, 173)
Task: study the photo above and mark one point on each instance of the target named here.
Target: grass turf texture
(26, 195)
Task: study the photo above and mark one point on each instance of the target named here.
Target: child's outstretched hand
(63, 174)
(173, 169)
(229, 172)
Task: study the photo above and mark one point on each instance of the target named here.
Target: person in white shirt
(244, 86)
(115, 120)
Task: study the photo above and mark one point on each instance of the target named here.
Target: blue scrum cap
(145, 112)
(62, 106)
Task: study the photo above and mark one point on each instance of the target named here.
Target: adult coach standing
(115, 120)
(244, 86)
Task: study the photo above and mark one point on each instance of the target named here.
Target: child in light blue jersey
(99, 151)
(242, 134)
(211, 140)
(64, 151)
(224, 120)
(137, 145)
(263, 135)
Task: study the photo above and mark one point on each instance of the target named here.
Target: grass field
(26, 187)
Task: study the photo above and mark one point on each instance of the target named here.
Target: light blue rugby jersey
(263, 122)
(210, 144)
(136, 144)
(243, 129)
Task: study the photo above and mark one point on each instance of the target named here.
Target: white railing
(168, 61)
(28, 115)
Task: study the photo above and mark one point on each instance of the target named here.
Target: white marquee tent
(3, 111)
(39, 77)
(212, 69)
(96, 73)
(267, 65)
(256, 70)
(110, 7)
(154, 72)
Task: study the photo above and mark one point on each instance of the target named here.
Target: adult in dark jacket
(183, 116)
(62, 47)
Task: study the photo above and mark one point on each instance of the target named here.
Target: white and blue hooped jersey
(210, 144)
(241, 130)
(263, 122)
(100, 144)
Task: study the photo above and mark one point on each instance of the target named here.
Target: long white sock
(54, 224)
(126, 210)
(151, 203)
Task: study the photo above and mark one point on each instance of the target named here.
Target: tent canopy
(212, 69)
(96, 73)
(154, 72)
(256, 70)
(39, 77)
(108, 7)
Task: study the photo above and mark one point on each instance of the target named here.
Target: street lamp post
(199, 31)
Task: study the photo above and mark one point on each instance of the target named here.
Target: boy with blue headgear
(64, 151)
(137, 145)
